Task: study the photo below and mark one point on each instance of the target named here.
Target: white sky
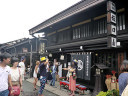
(18, 16)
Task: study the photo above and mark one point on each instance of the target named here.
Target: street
(28, 90)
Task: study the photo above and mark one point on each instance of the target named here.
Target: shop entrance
(120, 60)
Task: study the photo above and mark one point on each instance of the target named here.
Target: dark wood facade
(87, 28)
(32, 49)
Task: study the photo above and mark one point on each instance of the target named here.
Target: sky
(18, 16)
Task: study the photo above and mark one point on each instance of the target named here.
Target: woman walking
(16, 76)
(123, 77)
(43, 74)
(72, 77)
(35, 74)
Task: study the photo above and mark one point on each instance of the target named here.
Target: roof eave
(79, 7)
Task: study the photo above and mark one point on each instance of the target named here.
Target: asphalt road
(28, 90)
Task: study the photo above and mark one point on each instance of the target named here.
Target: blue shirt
(54, 69)
(123, 81)
(42, 69)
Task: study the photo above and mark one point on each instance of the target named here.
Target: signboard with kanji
(111, 24)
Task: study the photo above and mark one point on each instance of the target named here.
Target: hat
(75, 61)
(42, 59)
(22, 58)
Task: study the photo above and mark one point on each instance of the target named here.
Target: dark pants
(4, 93)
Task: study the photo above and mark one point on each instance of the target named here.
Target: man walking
(5, 75)
(54, 73)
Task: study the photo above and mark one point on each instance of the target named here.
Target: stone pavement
(56, 90)
(28, 90)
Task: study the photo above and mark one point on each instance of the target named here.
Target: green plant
(113, 92)
(101, 93)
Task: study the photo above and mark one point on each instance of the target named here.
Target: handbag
(15, 89)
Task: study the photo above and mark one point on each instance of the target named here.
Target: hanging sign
(83, 66)
(112, 42)
(111, 24)
(111, 17)
(111, 6)
(111, 29)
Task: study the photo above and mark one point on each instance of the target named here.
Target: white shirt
(47, 68)
(4, 72)
(22, 65)
(15, 74)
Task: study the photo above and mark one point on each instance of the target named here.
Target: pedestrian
(42, 70)
(49, 76)
(5, 74)
(54, 67)
(16, 76)
(68, 75)
(28, 69)
(35, 74)
(123, 77)
(72, 77)
(22, 67)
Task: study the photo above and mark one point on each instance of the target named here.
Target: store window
(100, 27)
(52, 39)
(120, 22)
(106, 58)
(82, 31)
(64, 36)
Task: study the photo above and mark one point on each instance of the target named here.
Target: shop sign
(25, 50)
(111, 17)
(111, 29)
(83, 66)
(111, 6)
(112, 41)
(111, 24)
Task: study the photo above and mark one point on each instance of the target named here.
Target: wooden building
(83, 29)
(32, 49)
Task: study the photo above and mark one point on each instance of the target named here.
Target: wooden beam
(83, 22)
(64, 29)
(121, 10)
(51, 33)
(99, 17)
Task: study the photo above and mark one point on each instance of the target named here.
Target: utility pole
(30, 42)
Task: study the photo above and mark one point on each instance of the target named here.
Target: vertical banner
(80, 66)
(111, 24)
(87, 66)
(83, 66)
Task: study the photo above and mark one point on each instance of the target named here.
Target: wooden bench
(82, 88)
(78, 86)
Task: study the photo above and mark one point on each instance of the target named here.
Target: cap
(42, 59)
